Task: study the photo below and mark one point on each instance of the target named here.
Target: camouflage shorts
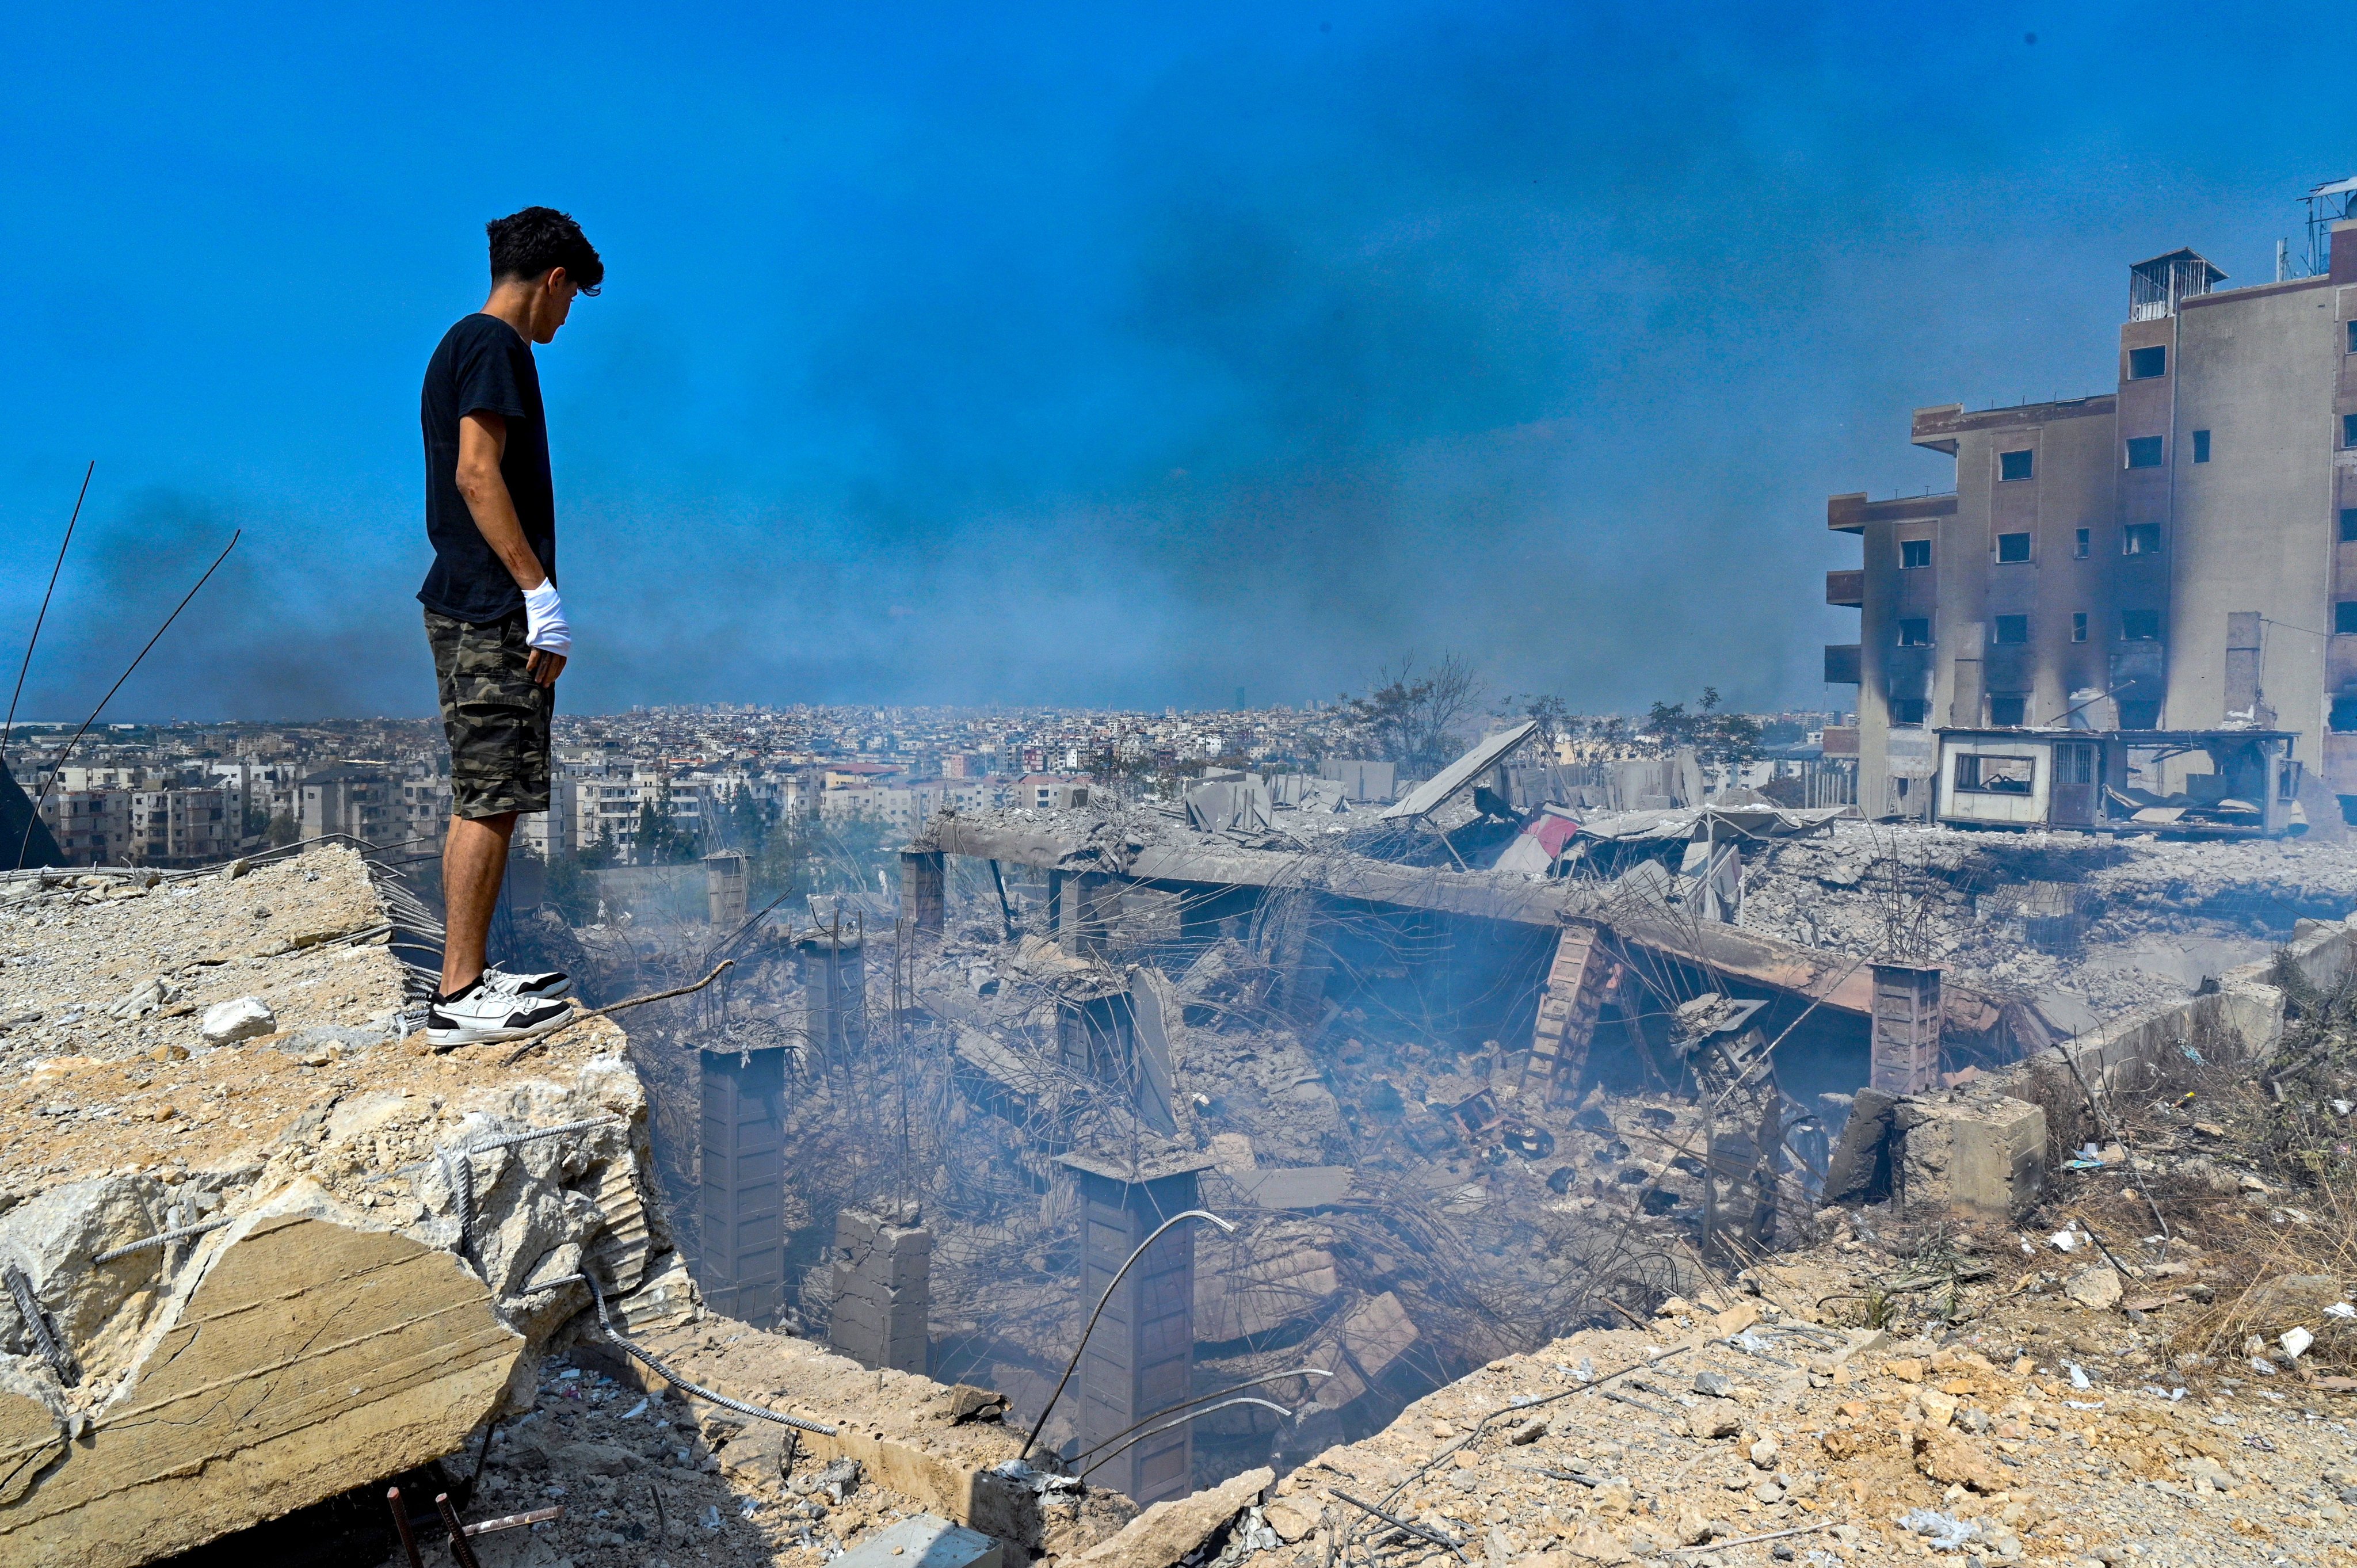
(495, 714)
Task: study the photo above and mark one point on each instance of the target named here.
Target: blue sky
(1083, 354)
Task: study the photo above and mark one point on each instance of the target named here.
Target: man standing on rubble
(492, 616)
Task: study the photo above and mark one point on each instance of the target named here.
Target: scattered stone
(242, 1018)
(2095, 1287)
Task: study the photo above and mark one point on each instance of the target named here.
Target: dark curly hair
(526, 244)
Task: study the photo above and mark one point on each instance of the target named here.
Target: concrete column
(1086, 905)
(883, 1273)
(741, 1239)
(1141, 1359)
(1905, 1050)
(724, 889)
(924, 888)
(835, 986)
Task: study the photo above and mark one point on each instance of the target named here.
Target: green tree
(1715, 735)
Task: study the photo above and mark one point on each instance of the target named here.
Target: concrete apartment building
(92, 827)
(2179, 555)
(181, 827)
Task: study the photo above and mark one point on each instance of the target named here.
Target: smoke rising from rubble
(1136, 370)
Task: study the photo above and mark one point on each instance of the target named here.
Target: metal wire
(1227, 1226)
(1167, 1425)
(698, 1390)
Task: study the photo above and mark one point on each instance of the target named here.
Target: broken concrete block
(1170, 1531)
(1981, 1152)
(244, 1406)
(2095, 1287)
(927, 1540)
(1858, 1158)
(240, 1018)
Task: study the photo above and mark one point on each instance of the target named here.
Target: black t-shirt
(483, 366)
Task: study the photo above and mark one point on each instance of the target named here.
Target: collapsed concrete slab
(250, 1275)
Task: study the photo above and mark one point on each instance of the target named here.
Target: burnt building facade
(2179, 553)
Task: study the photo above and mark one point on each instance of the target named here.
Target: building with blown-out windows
(2178, 554)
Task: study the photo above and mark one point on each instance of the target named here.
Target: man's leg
(474, 862)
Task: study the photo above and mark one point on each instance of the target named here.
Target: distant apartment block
(181, 827)
(2180, 553)
(92, 827)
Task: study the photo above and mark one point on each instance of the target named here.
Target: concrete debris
(1170, 1531)
(226, 1023)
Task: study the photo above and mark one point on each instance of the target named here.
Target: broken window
(2008, 713)
(2344, 714)
(1984, 775)
(2139, 626)
(2143, 451)
(2078, 625)
(2079, 544)
(2009, 630)
(2013, 547)
(1914, 555)
(2140, 539)
(2137, 713)
(2013, 465)
(2146, 363)
(1915, 634)
(1908, 713)
(2202, 446)
(2344, 619)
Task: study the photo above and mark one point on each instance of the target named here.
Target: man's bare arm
(482, 441)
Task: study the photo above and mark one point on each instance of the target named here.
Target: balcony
(1842, 664)
(1943, 428)
(1846, 588)
(1851, 513)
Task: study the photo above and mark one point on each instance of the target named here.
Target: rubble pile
(2087, 925)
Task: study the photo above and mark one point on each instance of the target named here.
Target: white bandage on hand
(543, 621)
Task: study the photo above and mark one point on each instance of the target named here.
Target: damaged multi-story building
(2177, 554)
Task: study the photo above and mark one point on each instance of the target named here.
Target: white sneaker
(548, 986)
(482, 1011)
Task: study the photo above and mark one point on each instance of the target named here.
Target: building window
(2352, 336)
(2013, 547)
(2078, 625)
(2146, 363)
(2144, 452)
(2202, 446)
(2136, 713)
(1915, 634)
(2348, 525)
(2008, 713)
(2013, 465)
(1914, 554)
(2140, 539)
(2010, 630)
(1908, 713)
(2344, 619)
(2139, 626)
(2344, 709)
(1995, 775)
(2079, 543)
